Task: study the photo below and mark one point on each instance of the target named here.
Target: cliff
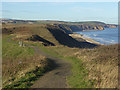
(68, 27)
(83, 27)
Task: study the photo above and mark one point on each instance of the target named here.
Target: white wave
(95, 35)
(104, 41)
(106, 37)
(87, 36)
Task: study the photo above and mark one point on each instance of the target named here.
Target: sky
(63, 11)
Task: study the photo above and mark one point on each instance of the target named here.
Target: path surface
(55, 78)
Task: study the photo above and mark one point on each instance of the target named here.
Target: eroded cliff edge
(84, 27)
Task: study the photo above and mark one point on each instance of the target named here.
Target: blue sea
(108, 36)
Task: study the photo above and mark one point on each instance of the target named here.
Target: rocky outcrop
(83, 27)
(110, 26)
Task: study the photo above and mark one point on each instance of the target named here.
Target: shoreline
(85, 38)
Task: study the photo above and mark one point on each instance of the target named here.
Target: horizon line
(58, 20)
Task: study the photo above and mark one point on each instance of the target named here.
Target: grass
(19, 64)
(13, 50)
(13, 55)
(28, 80)
(90, 67)
(97, 67)
(24, 31)
(30, 77)
(78, 79)
(102, 64)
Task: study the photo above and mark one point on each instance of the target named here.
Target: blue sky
(64, 11)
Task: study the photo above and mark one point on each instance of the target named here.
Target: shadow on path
(55, 78)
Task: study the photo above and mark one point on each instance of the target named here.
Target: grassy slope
(78, 79)
(12, 54)
(20, 64)
(24, 31)
(13, 50)
(86, 63)
(98, 67)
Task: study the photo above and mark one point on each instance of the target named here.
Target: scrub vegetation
(92, 65)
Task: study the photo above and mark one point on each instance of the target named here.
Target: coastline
(85, 38)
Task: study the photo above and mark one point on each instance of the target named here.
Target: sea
(108, 36)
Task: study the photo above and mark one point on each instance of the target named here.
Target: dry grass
(102, 64)
(17, 61)
(14, 70)
(24, 31)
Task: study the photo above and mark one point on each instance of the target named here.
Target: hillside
(100, 65)
(48, 47)
(68, 27)
(46, 34)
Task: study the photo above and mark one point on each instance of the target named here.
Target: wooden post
(20, 43)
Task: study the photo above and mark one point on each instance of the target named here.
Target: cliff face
(83, 27)
(64, 39)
